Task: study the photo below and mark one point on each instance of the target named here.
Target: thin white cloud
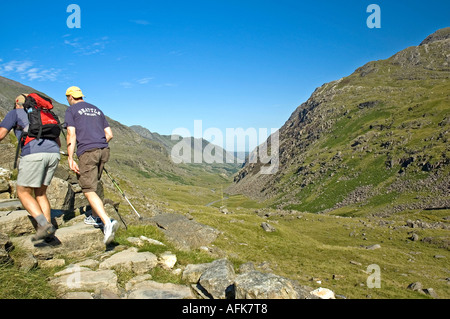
(176, 53)
(144, 80)
(27, 72)
(141, 22)
(83, 47)
(126, 85)
(130, 84)
(166, 85)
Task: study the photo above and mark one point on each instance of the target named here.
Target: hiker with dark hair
(89, 131)
(38, 162)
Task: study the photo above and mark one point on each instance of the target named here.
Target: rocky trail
(94, 270)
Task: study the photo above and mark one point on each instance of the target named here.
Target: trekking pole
(123, 194)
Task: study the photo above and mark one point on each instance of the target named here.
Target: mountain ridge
(374, 133)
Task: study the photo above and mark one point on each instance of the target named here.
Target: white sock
(108, 222)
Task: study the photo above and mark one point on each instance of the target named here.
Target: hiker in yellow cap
(89, 131)
(75, 92)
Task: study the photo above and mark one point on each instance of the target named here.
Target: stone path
(97, 269)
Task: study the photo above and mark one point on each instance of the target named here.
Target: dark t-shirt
(18, 119)
(90, 123)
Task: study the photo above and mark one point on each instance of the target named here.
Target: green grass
(319, 246)
(17, 283)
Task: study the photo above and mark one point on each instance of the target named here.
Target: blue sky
(231, 64)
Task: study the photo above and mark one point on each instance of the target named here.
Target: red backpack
(43, 123)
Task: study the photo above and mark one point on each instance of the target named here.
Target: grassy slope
(407, 121)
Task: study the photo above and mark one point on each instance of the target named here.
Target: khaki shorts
(36, 170)
(91, 165)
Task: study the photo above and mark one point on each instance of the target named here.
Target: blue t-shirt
(18, 119)
(90, 123)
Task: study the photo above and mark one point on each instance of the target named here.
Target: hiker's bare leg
(28, 201)
(97, 206)
(41, 197)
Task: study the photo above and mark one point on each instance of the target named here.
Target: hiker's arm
(71, 141)
(108, 134)
(3, 133)
(58, 141)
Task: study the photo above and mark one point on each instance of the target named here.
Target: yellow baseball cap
(75, 92)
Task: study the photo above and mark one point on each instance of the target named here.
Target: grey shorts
(37, 169)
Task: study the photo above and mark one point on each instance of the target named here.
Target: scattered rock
(167, 260)
(417, 286)
(154, 290)
(373, 247)
(323, 293)
(267, 227)
(258, 285)
(87, 280)
(151, 241)
(131, 260)
(142, 240)
(431, 292)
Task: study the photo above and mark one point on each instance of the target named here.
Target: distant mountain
(376, 141)
(197, 149)
(164, 140)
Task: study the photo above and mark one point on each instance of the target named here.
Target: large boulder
(74, 241)
(60, 194)
(84, 279)
(185, 233)
(16, 223)
(217, 280)
(258, 285)
(193, 272)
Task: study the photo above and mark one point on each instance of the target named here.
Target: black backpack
(43, 122)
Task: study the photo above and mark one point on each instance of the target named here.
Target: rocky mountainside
(375, 141)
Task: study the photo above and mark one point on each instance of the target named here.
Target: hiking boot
(43, 232)
(110, 231)
(94, 221)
